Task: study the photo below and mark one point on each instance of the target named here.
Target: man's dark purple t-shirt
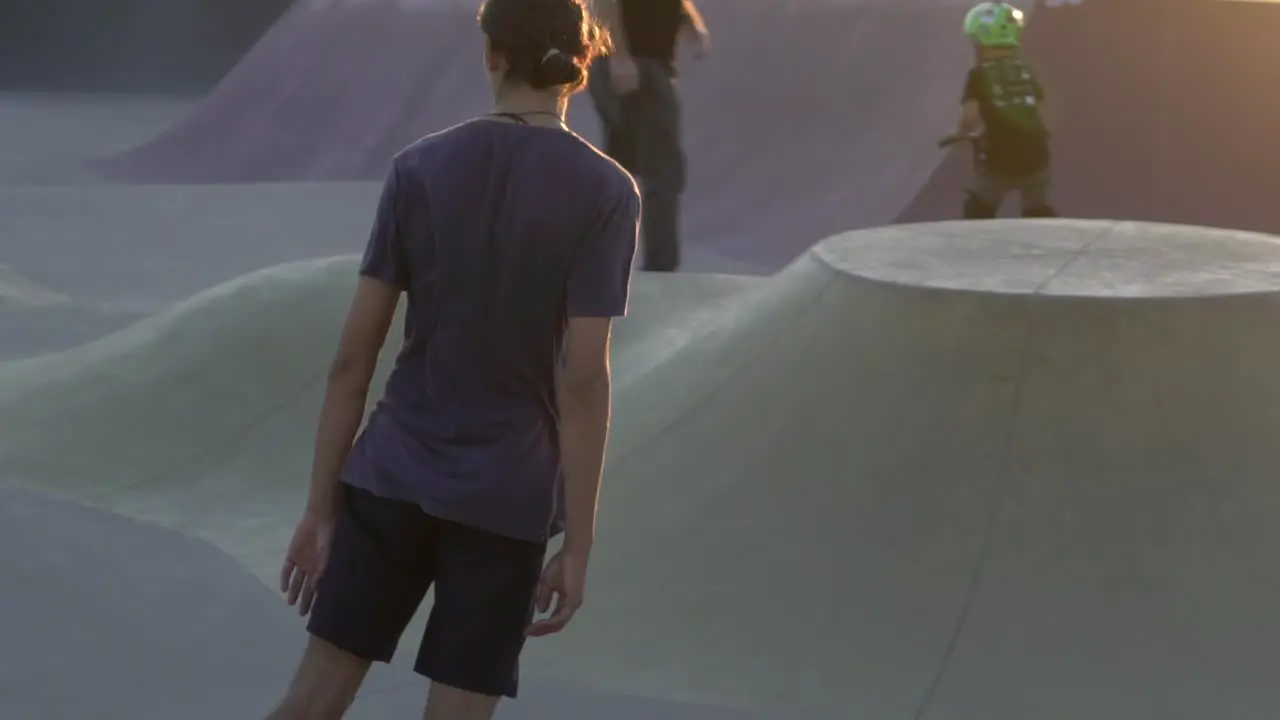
(498, 233)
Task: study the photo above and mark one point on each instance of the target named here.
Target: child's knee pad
(1040, 211)
(975, 208)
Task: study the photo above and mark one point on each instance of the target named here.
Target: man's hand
(696, 29)
(701, 41)
(624, 74)
(306, 558)
(564, 579)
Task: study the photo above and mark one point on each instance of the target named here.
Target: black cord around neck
(519, 117)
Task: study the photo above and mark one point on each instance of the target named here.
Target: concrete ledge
(1065, 258)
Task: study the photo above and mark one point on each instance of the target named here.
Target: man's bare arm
(347, 389)
(583, 390)
(694, 18)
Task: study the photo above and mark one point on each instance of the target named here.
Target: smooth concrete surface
(45, 138)
(870, 486)
(136, 622)
(133, 46)
(1063, 258)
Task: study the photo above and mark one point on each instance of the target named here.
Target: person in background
(1003, 102)
(513, 239)
(634, 93)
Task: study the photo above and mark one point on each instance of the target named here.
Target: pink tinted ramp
(1160, 113)
(318, 95)
(810, 118)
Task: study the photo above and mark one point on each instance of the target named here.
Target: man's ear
(493, 60)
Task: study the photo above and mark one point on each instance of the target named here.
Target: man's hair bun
(557, 68)
(547, 43)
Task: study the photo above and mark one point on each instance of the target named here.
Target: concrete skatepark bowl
(933, 471)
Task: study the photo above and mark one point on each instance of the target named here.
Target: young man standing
(635, 96)
(512, 240)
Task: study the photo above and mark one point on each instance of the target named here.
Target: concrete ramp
(810, 118)
(197, 418)
(112, 609)
(1000, 470)
(1016, 472)
(1131, 140)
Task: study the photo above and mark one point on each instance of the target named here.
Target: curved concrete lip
(1064, 258)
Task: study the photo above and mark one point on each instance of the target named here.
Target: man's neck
(534, 107)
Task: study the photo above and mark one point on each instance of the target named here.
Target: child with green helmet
(1002, 107)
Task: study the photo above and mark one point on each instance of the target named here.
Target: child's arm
(1046, 110)
(971, 105)
(970, 118)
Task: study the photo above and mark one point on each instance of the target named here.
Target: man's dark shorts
(386, 554)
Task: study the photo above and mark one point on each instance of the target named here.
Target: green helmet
(994, 24)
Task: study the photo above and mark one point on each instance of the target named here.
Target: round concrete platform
(1079, 258)
(971, 470)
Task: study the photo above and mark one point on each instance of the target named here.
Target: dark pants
(642, 133)
(384, 557)
(990, 186)
(989, 189)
